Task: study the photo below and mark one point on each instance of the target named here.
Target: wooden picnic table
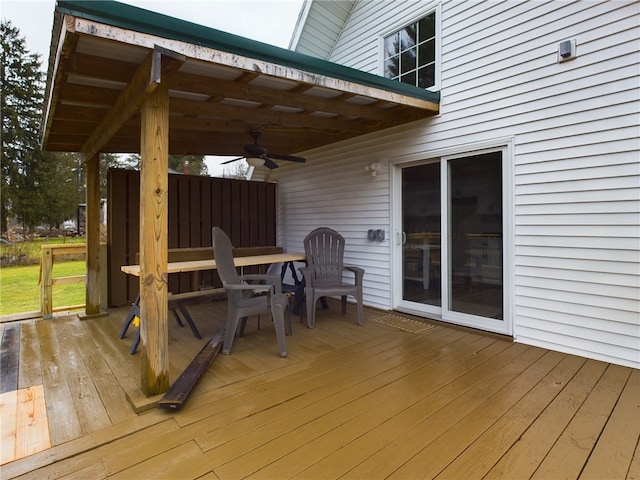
(179, 301)
(210, 264)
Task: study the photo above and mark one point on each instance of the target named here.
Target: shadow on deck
(348, 402)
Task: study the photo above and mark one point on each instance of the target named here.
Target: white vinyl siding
(360, 42)
(323, 27)
(575, 262)
(331, 192)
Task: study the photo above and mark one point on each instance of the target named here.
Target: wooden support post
(154, 180)
(92, 296)
(46, 282)
(104, 279)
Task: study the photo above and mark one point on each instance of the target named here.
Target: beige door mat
(403, 323)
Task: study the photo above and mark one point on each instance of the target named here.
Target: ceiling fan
(257, 155)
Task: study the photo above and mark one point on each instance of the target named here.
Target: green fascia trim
(145, 21)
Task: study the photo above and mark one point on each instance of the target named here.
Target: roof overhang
(105, 55)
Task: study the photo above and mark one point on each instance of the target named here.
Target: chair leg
(311, 315)
(230, 332)
(243, 325)
(277, 312)
(288, 329)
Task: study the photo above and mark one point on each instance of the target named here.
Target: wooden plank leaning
(179, 392)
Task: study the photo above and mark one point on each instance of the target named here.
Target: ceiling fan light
(255, 161)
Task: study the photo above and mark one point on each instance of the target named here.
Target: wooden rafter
(216, 98)
(144, 82)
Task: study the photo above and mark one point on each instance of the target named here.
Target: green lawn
(20, 291)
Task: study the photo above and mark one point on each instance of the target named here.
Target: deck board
(615, 447)
(32, 426)
(90, 407)
(348, 402)
(9, 357)
(459, 431)
(393, 428)
(9, 423)
(25, 428)
(573, 447)
(352, 420)
(524, 456)
(64, 422)
(102, 377)
(30, 371)
(483, 454)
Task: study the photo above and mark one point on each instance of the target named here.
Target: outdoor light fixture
(255, 161)
(373, 168)
(567, 50)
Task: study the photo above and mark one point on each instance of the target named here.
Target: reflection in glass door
(421, 248)
(475, 284)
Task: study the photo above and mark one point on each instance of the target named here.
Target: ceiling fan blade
(289, 158)
(269, 163)
(232, 160)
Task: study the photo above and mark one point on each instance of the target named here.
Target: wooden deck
(348, 402)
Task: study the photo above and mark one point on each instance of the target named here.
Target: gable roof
(221, 86)
(319, 26)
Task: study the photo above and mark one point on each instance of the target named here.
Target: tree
(21, 100)
(61, 192)
(188, 164)
(239, 170)
(37, 187)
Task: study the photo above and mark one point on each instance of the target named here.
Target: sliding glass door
(451, 240)
(475, 236)
(421, 250)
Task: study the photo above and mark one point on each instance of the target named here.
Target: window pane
(403, 54)
(409, 78)
(408, 37)
(475, 283)
(391, 44)
(427, 76)
(392, 67)
(427, 27)
(421, 225)
(408, 61)
(427, 53)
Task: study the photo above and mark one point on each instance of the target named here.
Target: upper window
(410, 53)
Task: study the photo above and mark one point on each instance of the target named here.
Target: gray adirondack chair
(242, 300)
(324, 273)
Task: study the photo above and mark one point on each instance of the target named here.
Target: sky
(268, 21)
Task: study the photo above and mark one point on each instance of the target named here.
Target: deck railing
(47, 280)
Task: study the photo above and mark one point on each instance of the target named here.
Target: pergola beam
(146, 79)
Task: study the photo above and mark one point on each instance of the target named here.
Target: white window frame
(428, 8)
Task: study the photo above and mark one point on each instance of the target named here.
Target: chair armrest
(248, 287)
(268, 279)
(307, 275)
(357, 271)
